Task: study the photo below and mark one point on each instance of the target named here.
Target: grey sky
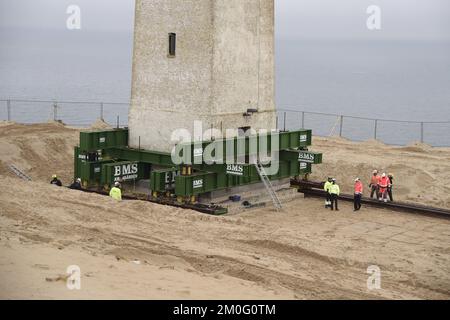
(95, 14)
(401, 19)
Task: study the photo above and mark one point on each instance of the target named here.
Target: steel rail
(203, 208)
(315, 189)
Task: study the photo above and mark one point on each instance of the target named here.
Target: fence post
(55, 111)
(303, 119)
(341, 125)
(375, 129)
(8, 109)
(421, 132)
(101, 111)
(284, 121)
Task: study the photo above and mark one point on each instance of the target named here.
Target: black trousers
(390, 194)
(374, 190)
(334, 201)
(328, 197)
(357, 201)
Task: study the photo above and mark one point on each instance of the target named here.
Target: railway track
(310, 189)
(315, 189)
(203, 208)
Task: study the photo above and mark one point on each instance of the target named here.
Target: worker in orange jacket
(358, 194)
(384, 184)
(374, 184)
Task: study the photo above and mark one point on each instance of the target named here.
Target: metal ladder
(19, 173)
(262, 173)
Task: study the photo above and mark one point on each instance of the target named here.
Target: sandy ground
(141, 250)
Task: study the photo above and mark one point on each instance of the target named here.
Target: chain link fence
(394, 132)
(85, 113)
(74, 113)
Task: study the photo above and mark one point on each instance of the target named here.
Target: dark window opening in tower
(172, 44)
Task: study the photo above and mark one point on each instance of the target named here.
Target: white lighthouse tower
(205, 60)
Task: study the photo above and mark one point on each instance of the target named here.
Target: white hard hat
(383, 175)
(116, 183)
(375, 171)
(79, 180)
(357, 179)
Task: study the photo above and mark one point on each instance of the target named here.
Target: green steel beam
(151, 157)
(99, 140)
(240, 146)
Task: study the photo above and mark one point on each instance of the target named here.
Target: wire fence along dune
(395, 132)
(76, 113)
(85, 113)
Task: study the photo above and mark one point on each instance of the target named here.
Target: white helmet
(383, 175)
(79, 180)
(357, 179)
(116, 184)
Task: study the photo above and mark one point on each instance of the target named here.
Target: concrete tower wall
(223, 66)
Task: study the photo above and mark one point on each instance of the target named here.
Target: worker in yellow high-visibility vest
(326, 188)
(334, 193)
(115, 192)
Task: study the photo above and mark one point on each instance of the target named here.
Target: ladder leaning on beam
(265, 179)
(19, 173)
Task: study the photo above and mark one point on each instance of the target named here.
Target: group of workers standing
(380, 186)
(115, 192)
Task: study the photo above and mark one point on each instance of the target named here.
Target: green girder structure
(104, 157)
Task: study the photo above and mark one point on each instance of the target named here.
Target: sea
(362, 80)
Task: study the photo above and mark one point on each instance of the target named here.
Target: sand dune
(140, 250)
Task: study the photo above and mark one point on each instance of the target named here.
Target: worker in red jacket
(358, 194)
(384, 184)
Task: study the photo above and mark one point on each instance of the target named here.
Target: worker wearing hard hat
(326, 187)
(55, 181)
(358, 194)
(334, 194)
(391, 182)
(115, 192)
(384, 185)
(374, 182)
(76, 185)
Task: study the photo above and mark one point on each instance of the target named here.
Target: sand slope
(141, 250)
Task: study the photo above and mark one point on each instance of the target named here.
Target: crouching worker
(358, 194)
(55, 181)
(76, 185)
(115, 192)
(326, 187)
(334, 194)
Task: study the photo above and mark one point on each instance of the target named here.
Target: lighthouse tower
(201, 60)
